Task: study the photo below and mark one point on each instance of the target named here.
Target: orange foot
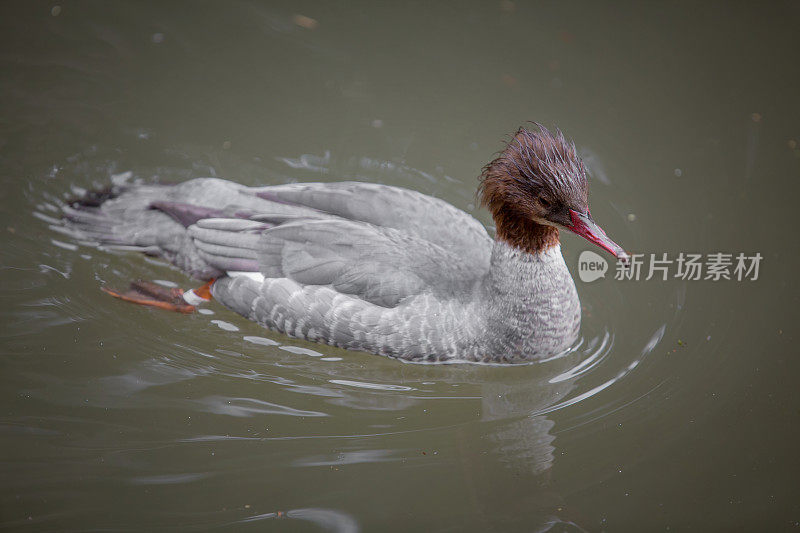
(148, 293)
(204, 292)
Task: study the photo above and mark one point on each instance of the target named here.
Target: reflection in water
(167, 479)
(326, 519)
(521, 437)
(250, 407)
(522, 446)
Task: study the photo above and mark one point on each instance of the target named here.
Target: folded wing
(380, 265)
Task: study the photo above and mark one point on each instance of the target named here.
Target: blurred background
(677, 409)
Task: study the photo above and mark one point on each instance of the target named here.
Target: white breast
(255, 276)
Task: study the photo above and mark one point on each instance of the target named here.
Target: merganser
(372, 267)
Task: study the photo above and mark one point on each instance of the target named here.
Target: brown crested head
(535, 185)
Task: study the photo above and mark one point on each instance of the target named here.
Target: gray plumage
(356, 265)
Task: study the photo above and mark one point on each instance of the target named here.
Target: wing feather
(378, 265)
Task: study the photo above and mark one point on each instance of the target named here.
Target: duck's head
(536, 185)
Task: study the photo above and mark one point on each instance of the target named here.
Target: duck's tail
(101, 217)
(152, 219)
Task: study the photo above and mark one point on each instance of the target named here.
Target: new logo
(591, 266)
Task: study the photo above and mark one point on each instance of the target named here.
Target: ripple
(595, 357)
(347, 458)
(328, 519)
(167, 479)
(263, 341)
(299, 350)
(244, 407)
(373, 386)
(64, 245)
(227, 326)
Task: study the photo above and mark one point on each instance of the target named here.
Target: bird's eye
(545, 203)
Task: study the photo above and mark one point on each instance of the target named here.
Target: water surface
(677, 409)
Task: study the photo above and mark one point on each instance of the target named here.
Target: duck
(371, 267)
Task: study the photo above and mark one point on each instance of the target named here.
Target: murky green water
(679, 409)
